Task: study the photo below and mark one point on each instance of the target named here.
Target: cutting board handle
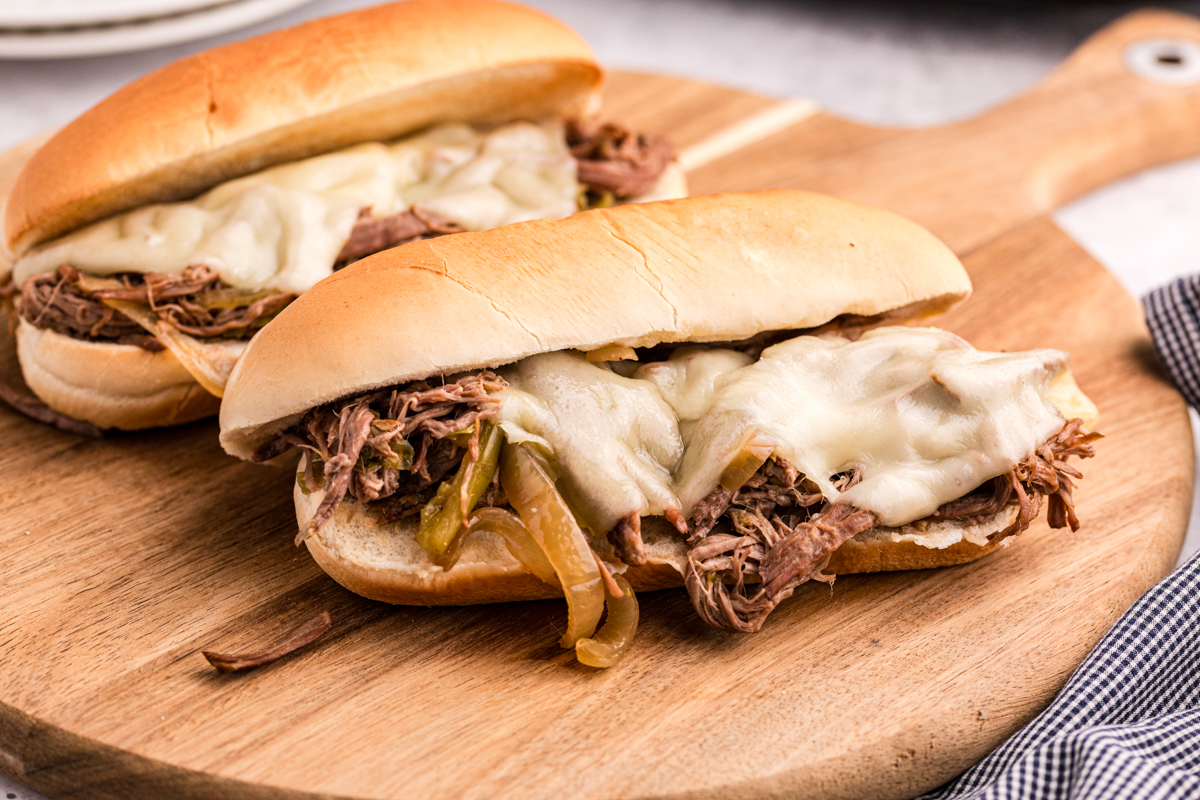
(1095, 119)
(1127, 99)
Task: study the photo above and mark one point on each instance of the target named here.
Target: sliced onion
(531, 491)
(745, 463)
(611, 352)
(230, 297)
(209, 364)
(516, 536)
(96, 283)
(612, 640)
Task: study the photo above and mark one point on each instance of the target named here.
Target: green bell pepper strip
(442, 516)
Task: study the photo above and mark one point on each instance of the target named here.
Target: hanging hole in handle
(1171, 62)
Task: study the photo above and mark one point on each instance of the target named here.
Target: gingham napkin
(1127, 724)
(1173, 314)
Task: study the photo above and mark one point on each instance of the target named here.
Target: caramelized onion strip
(747, 461)
(516, 536)
(530, 488)
(230, 297)
(209, 364)
(612, 640)
(611, 352)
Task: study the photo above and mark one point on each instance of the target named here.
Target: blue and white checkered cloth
(1127, 724)
(1173, 314)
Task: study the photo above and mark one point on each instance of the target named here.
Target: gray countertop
(911, 63)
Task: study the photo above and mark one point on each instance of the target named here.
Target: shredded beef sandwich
(748, 550)
(441, 119)
(710, 393)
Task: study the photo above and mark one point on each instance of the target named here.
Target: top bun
(368, 75)
(703, 269)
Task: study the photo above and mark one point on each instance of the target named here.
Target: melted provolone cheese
(283, 228)
(689, 378)
(614, 439)
(922, 416)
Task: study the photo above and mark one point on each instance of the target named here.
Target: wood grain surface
(1087, 124)
(123, 558)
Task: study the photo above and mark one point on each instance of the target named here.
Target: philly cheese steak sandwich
(712, 392)
(158, 232)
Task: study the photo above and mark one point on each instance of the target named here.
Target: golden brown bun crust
(118, 386)
(716, 268)
(384, 562)
(852, 558)
(371, 74)
(892, 550)
(110, 385)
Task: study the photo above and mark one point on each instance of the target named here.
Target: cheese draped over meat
(615, 439)
(283, 228)
(922, 416)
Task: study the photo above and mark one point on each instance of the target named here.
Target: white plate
(72, 13)
(140, 35)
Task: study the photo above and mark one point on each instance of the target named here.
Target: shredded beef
(775, 508)
(1045, 473)
(56, 301)
(708, 512)
(776, 485)
(612, 158)
(354, 426)
(241, 323)
(389, 448)
(626, 535)
(22, 400)
(153, 288)
(370, 236)
(778, 539)
(435, 459)
(305, 634)
(402, 506)
(494, 496)
(805, 550)
(177, 297)
(626, 539)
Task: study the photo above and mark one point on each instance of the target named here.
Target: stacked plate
(71, 28)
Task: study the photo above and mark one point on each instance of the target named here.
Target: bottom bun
(923, 545)
(110, 385)
(384, 562)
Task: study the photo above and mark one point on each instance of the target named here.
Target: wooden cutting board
(122, 558)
